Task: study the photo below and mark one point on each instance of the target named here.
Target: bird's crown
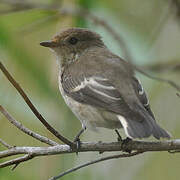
(71, 36)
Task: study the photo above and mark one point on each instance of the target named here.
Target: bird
(100, 87)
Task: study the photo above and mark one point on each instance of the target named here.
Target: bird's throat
(65, 61)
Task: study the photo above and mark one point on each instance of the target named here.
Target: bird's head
(71, 43)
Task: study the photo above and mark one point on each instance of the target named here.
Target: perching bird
(100, 87)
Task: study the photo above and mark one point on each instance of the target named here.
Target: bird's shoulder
(100, 61)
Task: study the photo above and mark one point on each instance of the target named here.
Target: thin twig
(33, 108)
(172, 65)
(5, 144)
(16, 161)
(18, 5)
(166, 12)
(15, 166)
(26, 130)
(96, 161)
(167, 81)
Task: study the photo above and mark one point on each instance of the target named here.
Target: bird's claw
(77, 141)
(124, 143)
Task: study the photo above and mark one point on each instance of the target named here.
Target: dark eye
(73, 40)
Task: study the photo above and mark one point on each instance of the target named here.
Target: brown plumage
(100, 87)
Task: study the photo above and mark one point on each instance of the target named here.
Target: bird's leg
(119, 136)
(77, 139)
(78, 135)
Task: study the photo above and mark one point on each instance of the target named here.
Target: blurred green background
(151, 31)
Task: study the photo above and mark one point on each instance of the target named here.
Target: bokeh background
(151, 30)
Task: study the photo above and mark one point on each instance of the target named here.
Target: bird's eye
(73, 40)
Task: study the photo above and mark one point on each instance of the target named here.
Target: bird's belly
(89, 116)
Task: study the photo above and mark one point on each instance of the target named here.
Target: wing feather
(98, 92)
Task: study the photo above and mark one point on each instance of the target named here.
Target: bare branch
(140, 146)
(5, 144)
(18, 5)
(167, 11)
(16, 161)
(162, 67)
(36, 151)
(167, 81)
(26, 130)
(32, 107)
(96, 161)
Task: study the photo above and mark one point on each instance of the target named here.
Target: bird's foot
(125, 143)
(77, 140)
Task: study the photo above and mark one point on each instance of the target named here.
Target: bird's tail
(143, 129)
(159, 132)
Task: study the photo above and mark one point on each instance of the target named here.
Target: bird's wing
(99, 92)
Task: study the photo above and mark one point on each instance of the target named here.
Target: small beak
(50, 44)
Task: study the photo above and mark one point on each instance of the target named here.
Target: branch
(167, 81)
(18, 5)
(162, 67)
(32, 107)
(140, 146)
(5, 144)
(96, 161)
(28, 153)
(26, 130)
(16, 161)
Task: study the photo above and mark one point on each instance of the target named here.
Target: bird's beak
(50, 44)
